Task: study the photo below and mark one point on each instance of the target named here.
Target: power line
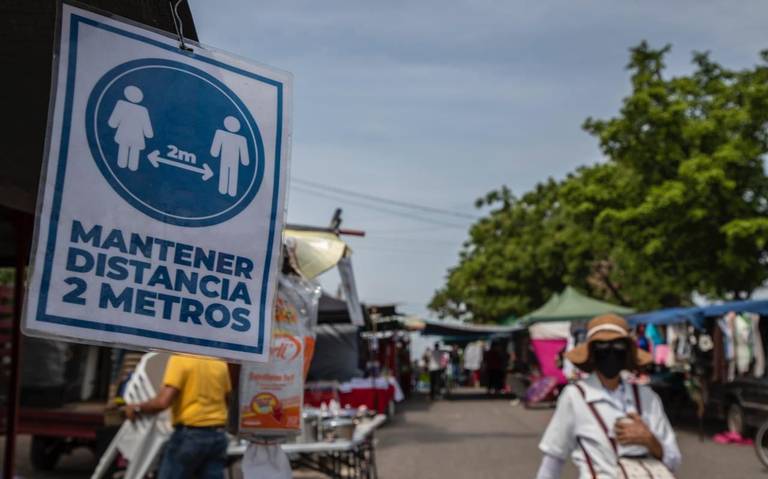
(377, 208)
(398, 251)
(419, 229)
(411, 239)
(402, 204)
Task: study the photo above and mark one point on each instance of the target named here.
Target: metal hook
(177, 24)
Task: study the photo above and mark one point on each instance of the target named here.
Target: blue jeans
(191, 452)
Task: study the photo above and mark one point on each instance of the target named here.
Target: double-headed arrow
(156, 159)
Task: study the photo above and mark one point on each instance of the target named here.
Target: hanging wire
(177, 24)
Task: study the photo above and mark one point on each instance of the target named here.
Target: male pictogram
(231, 149)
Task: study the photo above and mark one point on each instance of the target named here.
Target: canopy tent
(449, 329)
(550, 330)
(696, 315)
(335, 311)
(337, 354)
(550, 325)
(571, 305)
(756, 306)
(668, 316)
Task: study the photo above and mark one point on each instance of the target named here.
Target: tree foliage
(680, 206)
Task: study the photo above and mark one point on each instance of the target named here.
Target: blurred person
(473, 357)
(509, 371)
(496, 368)
(196, 389)
(455, 361)
(435, 365)
(609, 427)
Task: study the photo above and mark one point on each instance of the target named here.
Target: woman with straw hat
(609, 427)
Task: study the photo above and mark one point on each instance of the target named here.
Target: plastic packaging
(265, 461)
(272, 393)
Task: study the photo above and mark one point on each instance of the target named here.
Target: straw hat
(607, 327)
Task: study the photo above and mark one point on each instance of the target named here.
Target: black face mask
(610, 357)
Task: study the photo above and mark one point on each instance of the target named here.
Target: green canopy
(570, 305)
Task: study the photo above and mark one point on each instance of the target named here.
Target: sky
(435, 103)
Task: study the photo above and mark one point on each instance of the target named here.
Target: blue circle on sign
(174, 142)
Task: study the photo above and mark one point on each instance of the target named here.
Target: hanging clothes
(758, 369)
(672, 340)
(653, 333)
(661, 354)
(743, 341)
(569, 370)
(719, 362)
(686, 342)
(726, 326)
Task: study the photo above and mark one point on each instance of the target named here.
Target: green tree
(512, 261)
(680, 205)
(693, 147)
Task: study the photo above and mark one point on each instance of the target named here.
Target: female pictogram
(133, 127)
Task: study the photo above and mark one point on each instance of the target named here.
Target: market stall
(312, 437)
(356, 366)
(478, 353)
(711, 357)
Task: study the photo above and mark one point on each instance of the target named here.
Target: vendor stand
(308, 254)
(475, 337)
(711, 357)
(553, 329)
(340, 458)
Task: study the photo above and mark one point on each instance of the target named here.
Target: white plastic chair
(140, 441)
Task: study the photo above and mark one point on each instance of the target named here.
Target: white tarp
(550, 330)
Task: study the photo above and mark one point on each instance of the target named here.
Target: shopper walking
(455, 363)
(473, 359)
(609, 427)
(196, 390)
(495, 367)
(435, 366)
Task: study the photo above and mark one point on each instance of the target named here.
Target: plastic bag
(272, 393)
(262, 461)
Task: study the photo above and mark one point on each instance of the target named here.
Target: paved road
(490, 438)
(477, 438)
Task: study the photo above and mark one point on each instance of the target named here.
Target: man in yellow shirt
(196, 390)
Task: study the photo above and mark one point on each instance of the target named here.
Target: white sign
(161, 207)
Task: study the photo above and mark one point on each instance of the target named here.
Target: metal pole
(22, 226)
(325, 229)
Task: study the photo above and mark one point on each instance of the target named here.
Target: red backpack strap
(604, 427)
(590, 465)
(598, 417)
(636, 394)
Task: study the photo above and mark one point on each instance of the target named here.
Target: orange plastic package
(272, 393)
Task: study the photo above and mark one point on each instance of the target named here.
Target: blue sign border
(128, 195)
(53, 224)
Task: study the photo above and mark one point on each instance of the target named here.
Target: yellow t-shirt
(203, 385)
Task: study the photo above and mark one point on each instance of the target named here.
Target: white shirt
(573, 419)
(434, 360)
(473, 356)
